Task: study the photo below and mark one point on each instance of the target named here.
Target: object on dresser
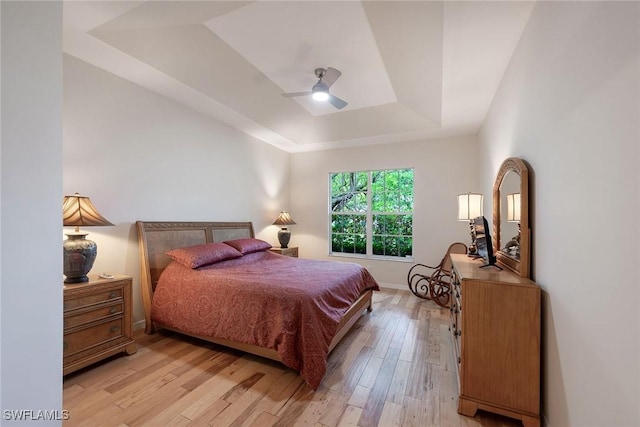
(79, 253)
(470, 205)
(483, 241)
(434, 283)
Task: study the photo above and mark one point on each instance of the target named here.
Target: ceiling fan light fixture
(320, 91)
(320, 95)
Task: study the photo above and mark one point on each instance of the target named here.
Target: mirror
(509, 220)
(511, 216)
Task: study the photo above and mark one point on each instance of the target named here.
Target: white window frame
(369, 220)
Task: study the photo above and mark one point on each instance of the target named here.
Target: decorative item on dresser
(292, 252)
(470, 206)
(97, 321)
(79, 253)
(284, 235)
(513, 176)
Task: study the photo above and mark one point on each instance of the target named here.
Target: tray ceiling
(411, 70)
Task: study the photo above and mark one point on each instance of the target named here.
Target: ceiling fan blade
(336, 102)
(330, 76)
(293, 94)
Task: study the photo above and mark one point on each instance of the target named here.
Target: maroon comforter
(287, 304)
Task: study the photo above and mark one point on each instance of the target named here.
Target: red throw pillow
(200, 255)
(249, 245)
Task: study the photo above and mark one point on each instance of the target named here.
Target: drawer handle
(114, 328)
(65, 345)
(113, 294)
(113, 310)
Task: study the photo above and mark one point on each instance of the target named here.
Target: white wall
(442, 169)
(140, 156)
(569, 105)
(30, 196)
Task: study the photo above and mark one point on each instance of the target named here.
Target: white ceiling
(410, 69)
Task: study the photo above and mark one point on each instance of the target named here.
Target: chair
(434, 283)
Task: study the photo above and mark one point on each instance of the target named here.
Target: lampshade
(78, 211)
(284, 219)
(513, 207)
(284, 235)
(78, 252)
(469, 206)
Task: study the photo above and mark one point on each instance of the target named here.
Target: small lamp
(284, 235)
(513, 207)
(470, 207)
(79, 253)
(513, 215)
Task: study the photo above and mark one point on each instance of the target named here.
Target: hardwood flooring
(395, 368)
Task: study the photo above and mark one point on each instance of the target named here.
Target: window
(372, 213)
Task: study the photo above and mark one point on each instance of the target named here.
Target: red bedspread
(287, 304)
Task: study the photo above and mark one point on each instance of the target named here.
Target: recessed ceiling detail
(410, 70)
(287, 41)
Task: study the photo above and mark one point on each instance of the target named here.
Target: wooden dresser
(495, 327)
(97, 321)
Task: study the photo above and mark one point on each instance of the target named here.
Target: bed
(287, 309)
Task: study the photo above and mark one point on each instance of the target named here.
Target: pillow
(200, 255)
(249, 245)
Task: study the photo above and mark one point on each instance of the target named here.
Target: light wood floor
(395, 368)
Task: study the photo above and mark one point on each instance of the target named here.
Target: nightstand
(292, 252)
(97, 321)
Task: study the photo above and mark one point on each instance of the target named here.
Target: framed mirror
(511, 242)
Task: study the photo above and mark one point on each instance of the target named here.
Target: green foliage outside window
(389, 207)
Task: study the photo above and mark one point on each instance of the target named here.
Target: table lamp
(470, 207)
(284, 235)
(78, 252)
(513, 215)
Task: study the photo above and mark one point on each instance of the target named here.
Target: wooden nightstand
(97, 321)
(292, 252)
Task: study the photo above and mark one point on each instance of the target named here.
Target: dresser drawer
(93, 298)
(97, 321)
(82, 339)
(92, 314)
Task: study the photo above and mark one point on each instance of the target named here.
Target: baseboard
(140, 324)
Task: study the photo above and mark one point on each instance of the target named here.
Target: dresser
(292, 252)
(495, 328)
(97, 321)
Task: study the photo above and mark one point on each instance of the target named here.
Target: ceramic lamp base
(78, 257)
(284, 236)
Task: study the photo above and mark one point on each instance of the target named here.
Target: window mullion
(369, 227)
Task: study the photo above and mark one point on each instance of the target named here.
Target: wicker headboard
(155, 238)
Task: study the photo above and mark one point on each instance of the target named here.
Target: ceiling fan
(320, 90)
